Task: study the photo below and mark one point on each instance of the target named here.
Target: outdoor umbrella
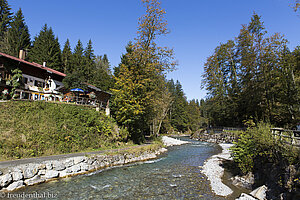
(77, 90)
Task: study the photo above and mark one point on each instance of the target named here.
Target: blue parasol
(77, 90)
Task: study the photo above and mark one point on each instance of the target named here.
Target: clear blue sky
(197, 27)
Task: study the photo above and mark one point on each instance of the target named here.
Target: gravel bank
(214, 171)
(168, 141)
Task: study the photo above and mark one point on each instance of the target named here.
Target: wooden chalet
(43, 83)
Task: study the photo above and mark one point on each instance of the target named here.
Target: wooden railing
(289, 137)
(27, 95)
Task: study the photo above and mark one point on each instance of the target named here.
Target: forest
(254, 76)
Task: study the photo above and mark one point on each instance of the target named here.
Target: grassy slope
(30, 129)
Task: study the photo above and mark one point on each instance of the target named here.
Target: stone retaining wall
(215, 138)
(34, 173)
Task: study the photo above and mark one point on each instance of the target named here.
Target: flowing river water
(175, 175)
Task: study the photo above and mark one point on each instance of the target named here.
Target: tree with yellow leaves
(141, 76)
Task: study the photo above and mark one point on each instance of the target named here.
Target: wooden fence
(289, 137)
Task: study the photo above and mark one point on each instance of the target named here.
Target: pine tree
(76, 76)
(90, 61)
(5, 18)
(67, 57)
(89, 51)
(179, 115)
(17, 37)
(46, 48)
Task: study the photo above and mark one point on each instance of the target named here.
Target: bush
(258, 143)
(29, 129)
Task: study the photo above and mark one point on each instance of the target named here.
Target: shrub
(257, 143)
(29, 129)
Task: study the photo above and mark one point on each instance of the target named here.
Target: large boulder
(243, 181)
(58, 165)
(15, 185)
(5, 179)
(246, 197)
(75, 168)
(78, 159)
(30, 171)
(260, 193)
(34, 180)
(51, 174)
(17, 175)
(69, 162)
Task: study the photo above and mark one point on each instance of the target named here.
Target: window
(38, 83)
(25, 80)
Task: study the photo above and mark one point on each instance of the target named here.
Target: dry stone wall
(16, 177)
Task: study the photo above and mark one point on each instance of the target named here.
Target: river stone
(91, 167)
(15, 185)
(78, 159)
(1, 173)
(42, 166)
(69, 162)
(48, 165)
(64, 173)
(30, 171)
(243, 181)
(17, 175)
(35, 180)
(260, 193)
(5, 180)
(100, 158)
(245, 197)
(42, 172)
(75, 168)
(90, 161)
(51, 174)
(84, 167)
(58, 165)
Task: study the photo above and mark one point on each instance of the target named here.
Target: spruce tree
(89, 51)
(78, 60)
(17, 37)
(101, 76)
(46, 48)
(89, 66)
(67, 57)
(5, 17)
(76, 75)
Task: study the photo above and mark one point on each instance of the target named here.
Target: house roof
(33, 64)
(96, 89)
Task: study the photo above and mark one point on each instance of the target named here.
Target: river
(174, 175)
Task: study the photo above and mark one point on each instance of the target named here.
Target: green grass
(31, 129)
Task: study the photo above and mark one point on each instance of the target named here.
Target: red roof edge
(33, 64)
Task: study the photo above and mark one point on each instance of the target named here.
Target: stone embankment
(38, 172)
(214, 138)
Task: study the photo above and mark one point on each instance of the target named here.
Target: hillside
(30, 129)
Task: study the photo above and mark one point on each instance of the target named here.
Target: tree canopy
(46, 48)
(252, 76)
(17, 36)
